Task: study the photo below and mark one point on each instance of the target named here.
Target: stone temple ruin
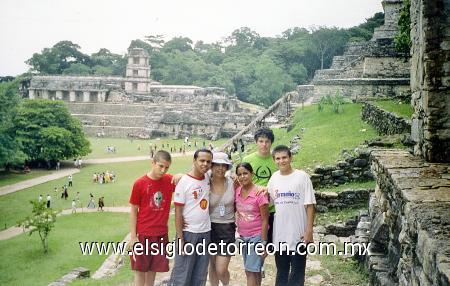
(366, 69)
(409, 212)
(137, 106)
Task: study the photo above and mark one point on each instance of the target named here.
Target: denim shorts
(252, 261)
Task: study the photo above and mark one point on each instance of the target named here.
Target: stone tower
(391, 10)
(137, 77)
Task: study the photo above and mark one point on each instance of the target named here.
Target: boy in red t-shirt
(150, 205)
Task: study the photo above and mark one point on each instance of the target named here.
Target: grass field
(126, 147)
(15, 206)
(404, 109)
(8, 178)
(325, 134)
(22, 261)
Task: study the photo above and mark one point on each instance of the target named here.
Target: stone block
(337, 173)
(360, 163)
(342, 164)
(379, 231)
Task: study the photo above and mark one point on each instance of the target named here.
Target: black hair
(264, 132)
(164, 155)
(246, 166)
(281, 148)
(198, 151)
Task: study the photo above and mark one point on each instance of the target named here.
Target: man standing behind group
(263, 166)
(192, 222)
(150, 204)
(292, 193)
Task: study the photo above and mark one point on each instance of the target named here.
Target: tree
(58, 58)
(106, 63)
(270, 84)
(243, 37)
(77, 69)
(181, 44)
(10, 152)
(156, 41)
(41, 221)
(403, 38)
(47, 132)
(328, 42)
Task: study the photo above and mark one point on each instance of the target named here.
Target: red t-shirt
(153, 198)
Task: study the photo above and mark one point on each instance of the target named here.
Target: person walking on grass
(74, 207)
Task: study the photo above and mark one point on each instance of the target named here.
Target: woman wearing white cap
(221, 210)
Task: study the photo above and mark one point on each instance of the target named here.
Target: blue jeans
(290, 269)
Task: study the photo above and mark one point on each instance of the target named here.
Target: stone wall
(385, 122)
(430, 79)
(345, 199)
(386, 67)
(355, 167)
(409, 232)
(363, 88)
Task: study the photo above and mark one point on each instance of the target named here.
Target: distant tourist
(49, 199)
(74, 207)
(91, 204)
(70, 178)
(101, 203)
(40, 199)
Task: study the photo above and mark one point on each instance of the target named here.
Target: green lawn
(325, 135)
(8, 178)
(349, 185)
(15, 206)
(126, 147)
(22, 261)
(402, 109)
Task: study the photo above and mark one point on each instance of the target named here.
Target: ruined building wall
(430, 79)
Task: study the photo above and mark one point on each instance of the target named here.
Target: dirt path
(66, 172)
(131, 158)
(37, 181)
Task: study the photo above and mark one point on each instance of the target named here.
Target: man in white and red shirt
(192, 222)
(150, 205)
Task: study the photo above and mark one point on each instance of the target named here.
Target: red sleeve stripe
(178, 204)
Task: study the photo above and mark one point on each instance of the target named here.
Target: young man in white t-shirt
(192, 222)
(292, 193)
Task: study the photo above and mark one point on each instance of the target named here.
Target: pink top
(248, 215)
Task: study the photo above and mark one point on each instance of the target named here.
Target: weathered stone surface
(430, 79)
(411, 222)
(79, 272)
(139, 107)
(383, 121)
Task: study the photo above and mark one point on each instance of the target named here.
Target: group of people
(77, 163)
(104, 177)
(265, 201)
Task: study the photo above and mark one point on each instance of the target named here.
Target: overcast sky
(28, 26)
